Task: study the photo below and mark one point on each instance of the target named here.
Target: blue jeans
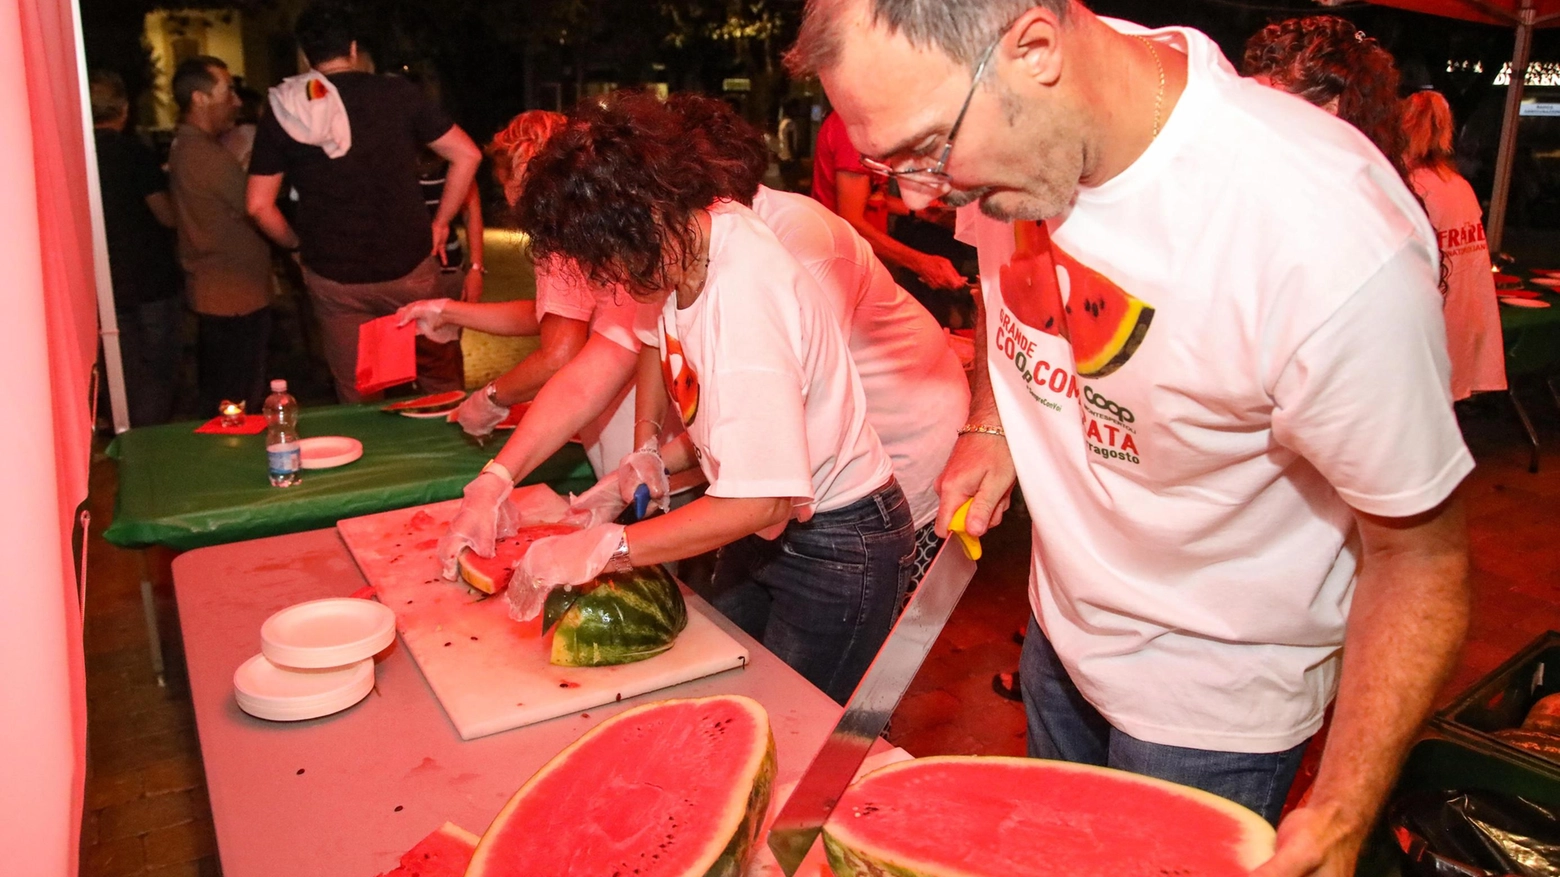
(150, 344)
(823, 595)
(1064, 726)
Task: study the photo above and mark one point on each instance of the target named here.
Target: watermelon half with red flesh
(676, 788)
(974, 816)
(491, 574)
(444, 853)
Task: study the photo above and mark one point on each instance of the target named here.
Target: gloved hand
(429, 314)
(644, 466)
(560, 561)
(478, 415)
(601, 504)
(484, 517)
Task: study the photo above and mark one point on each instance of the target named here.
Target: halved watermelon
(676, 788)
(973, 816)
(444, 853)
(617, 619)
(424, 404)
(491, 574)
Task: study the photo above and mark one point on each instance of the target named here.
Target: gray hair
(961, 29)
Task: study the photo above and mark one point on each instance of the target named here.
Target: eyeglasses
(936, 177)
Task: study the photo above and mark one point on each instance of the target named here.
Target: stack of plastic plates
(315, 659)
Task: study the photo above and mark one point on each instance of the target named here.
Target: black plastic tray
(1502, 699)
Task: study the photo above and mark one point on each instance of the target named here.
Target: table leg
(149, 607)
(1527, 425)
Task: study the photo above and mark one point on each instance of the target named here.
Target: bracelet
(500, 470)
(649, 421)
(478, 267)
(982, 429)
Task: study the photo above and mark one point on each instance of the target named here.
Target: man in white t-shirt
(1215, 361)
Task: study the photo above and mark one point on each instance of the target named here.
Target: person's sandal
(1006, 686)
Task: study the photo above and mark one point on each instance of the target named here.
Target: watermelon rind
(736, 829)
(473, 576)
(1129, 336)
(621, 618)
(853, 856)
(447, 401)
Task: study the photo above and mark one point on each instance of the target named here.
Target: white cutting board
(491, 674)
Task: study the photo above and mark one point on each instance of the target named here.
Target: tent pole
(108, 320)
(1507, 154)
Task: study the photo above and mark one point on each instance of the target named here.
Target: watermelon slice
(1104, 323)
(676, 788)
(491, 574)
(971, 816)
(428, 404)
(444, 853)
(618, 619)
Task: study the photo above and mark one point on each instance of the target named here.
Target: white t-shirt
(563, 292)
(1473, 336)
(759, 371)
(1190, 471)
(917, 395)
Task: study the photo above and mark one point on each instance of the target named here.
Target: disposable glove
(484, 517)
(644, 466)
(601, 504)
(478, 415)
(429, 315)
(557, 562)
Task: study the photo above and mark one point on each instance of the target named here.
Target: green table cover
(1532, 337)
(186, 491)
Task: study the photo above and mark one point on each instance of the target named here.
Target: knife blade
(867, 712)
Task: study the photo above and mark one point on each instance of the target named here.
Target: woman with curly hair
(1473, 337)
(816, 535)
(1332, 64)
(563, 314)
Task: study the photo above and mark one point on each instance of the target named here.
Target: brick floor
(147, 812)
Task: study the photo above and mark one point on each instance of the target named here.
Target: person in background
(1332, 64)
(846, 186)
(1226, 539)
(1473, 335)
(563, 315)
(138, 218)
(348, 141)
(240, 139)
(227, 263)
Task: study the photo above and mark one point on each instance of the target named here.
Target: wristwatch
(619, 561)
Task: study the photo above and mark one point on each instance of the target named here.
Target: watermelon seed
(300, 772)
(473, 639)
(619, 696)
(447, 644)
(398, 808)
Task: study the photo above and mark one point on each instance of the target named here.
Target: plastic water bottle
(282, 454)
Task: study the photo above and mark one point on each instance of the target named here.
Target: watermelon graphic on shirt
(1103, 322)
(682, 382)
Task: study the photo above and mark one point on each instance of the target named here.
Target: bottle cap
(278, 386)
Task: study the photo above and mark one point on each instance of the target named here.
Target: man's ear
(1034, 43)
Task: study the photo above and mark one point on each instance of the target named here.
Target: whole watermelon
(617, 619)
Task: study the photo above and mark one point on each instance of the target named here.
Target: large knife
(873, 702)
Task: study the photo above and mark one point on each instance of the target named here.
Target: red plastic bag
(387, 354)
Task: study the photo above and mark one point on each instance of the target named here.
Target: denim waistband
(879, 505)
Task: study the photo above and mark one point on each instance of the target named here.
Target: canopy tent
(47, 346)
(1524, 15)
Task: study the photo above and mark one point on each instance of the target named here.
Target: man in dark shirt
(137, 218)
(348, 142)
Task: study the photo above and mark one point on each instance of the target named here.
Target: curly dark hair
(1323, 57)
(735, 152)
(616, 191)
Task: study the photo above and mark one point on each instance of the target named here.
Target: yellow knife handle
(970, 544)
